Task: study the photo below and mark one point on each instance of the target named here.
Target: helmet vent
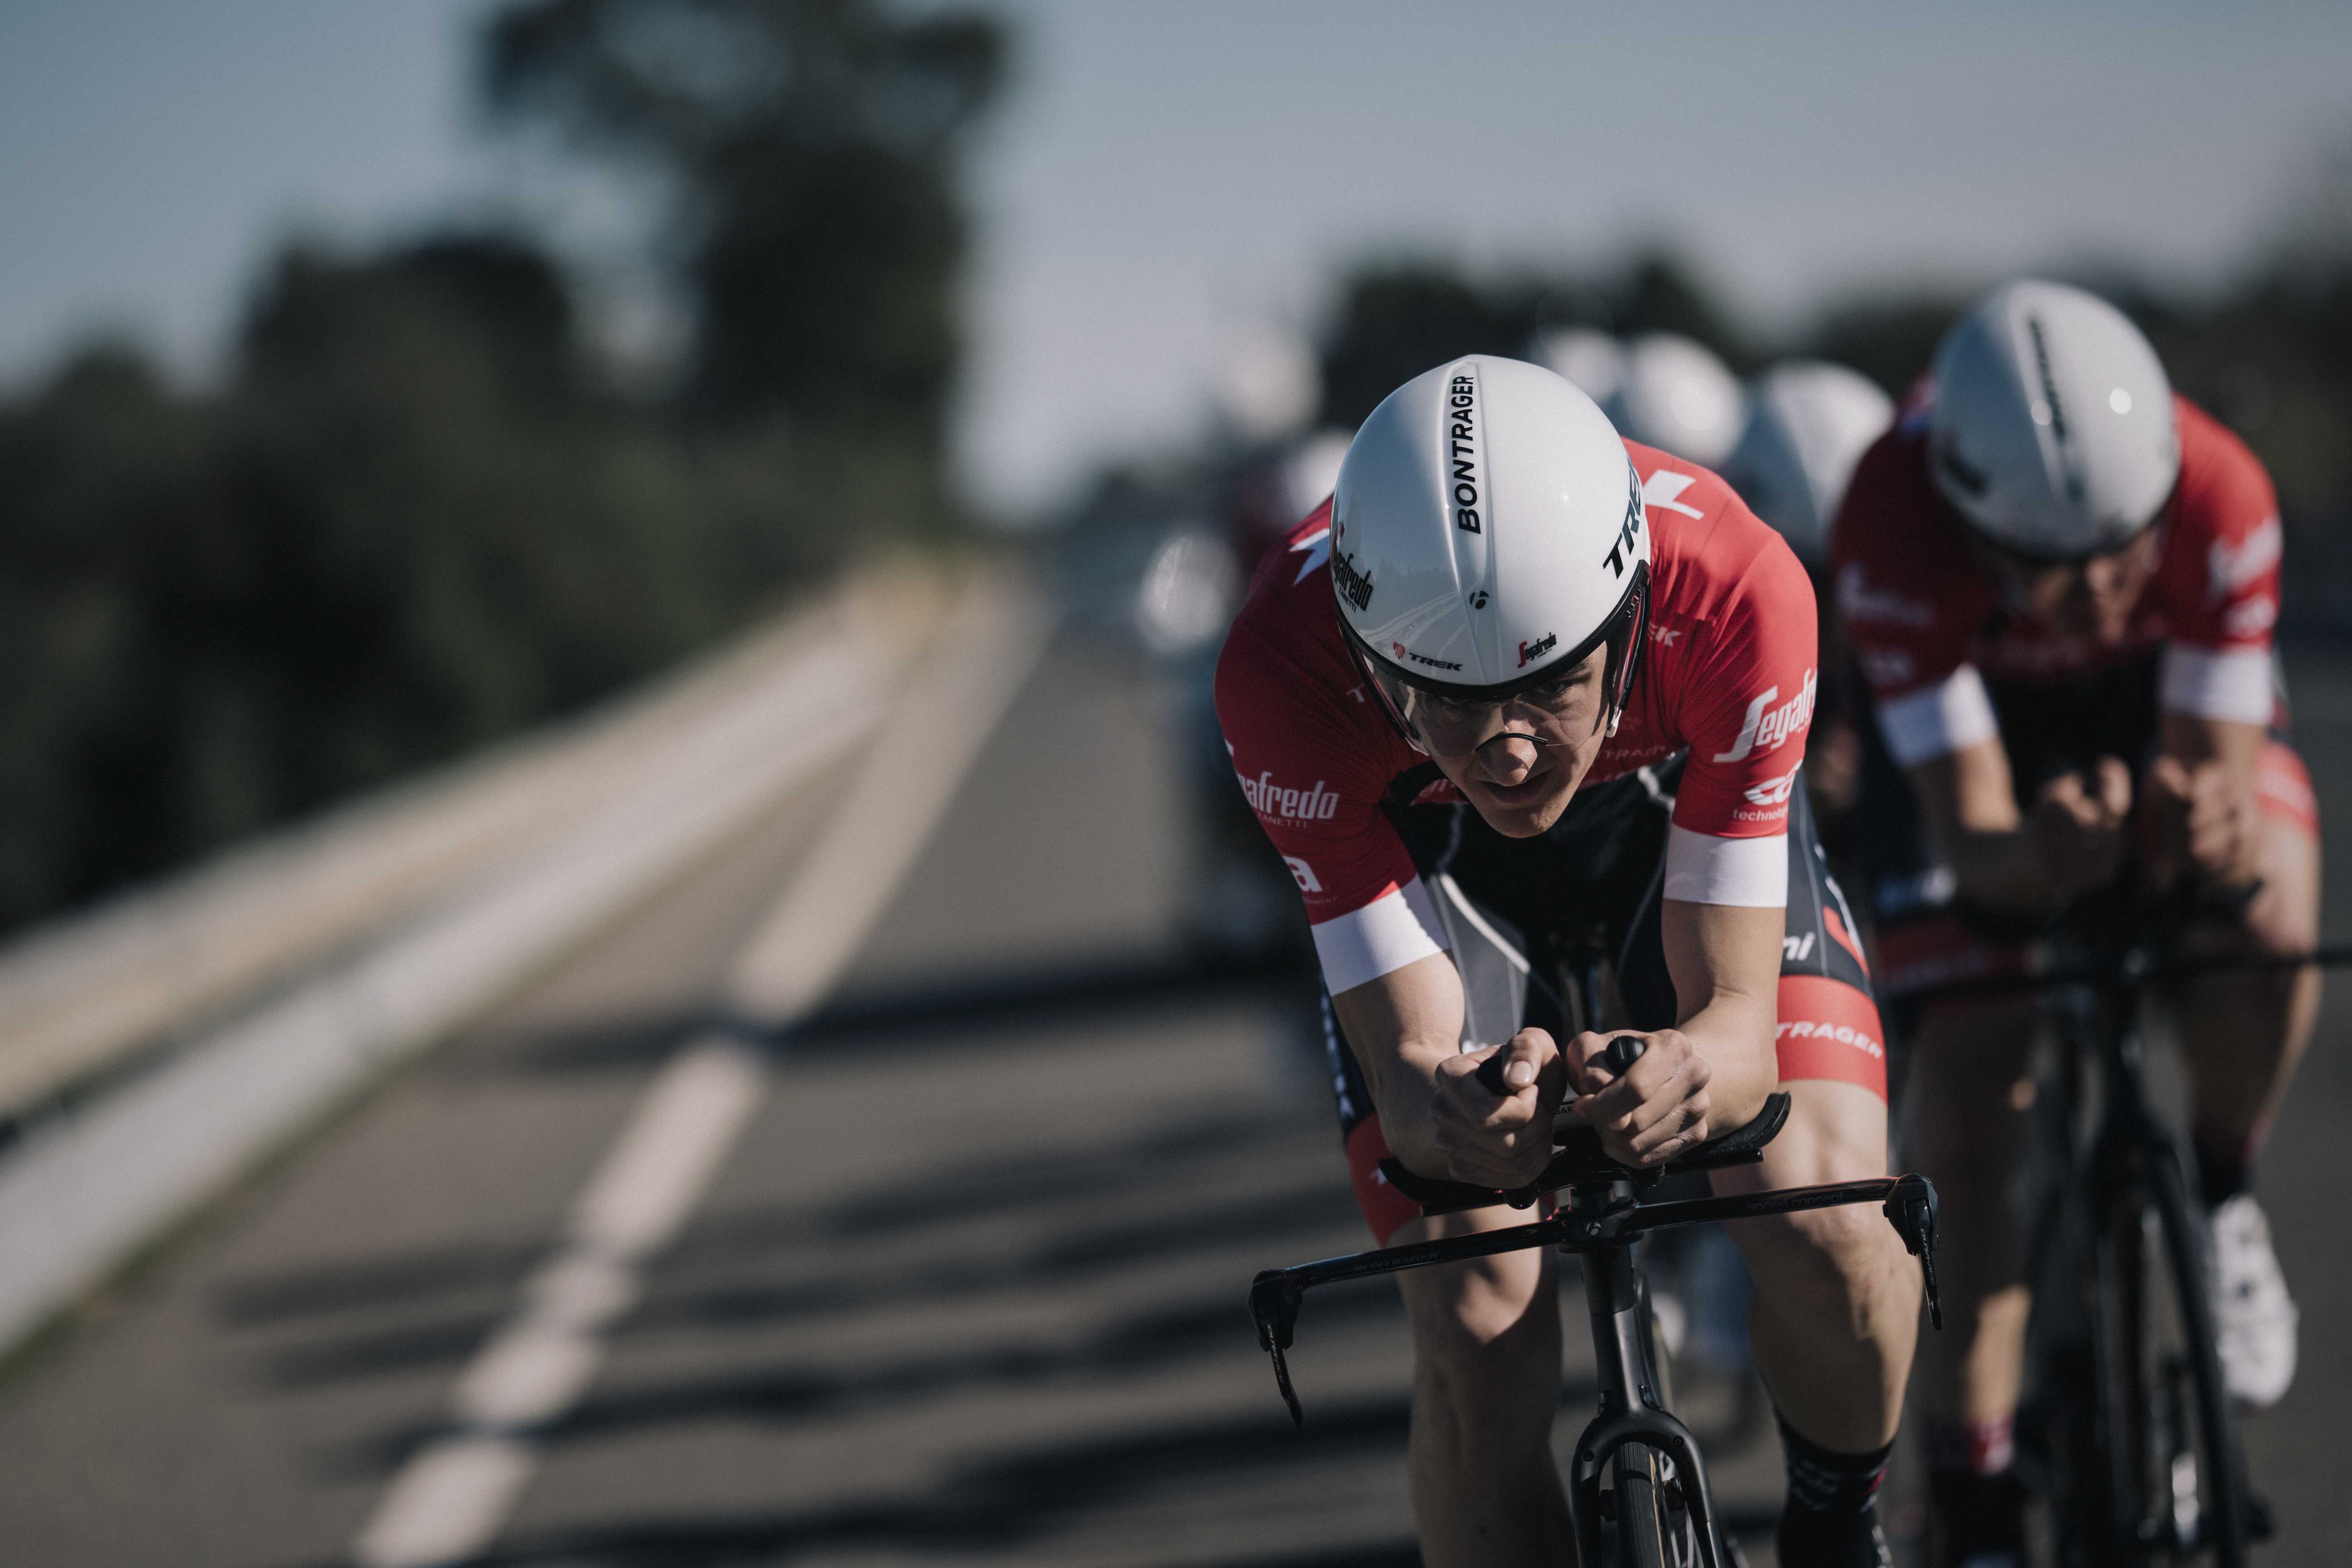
(2051, 408)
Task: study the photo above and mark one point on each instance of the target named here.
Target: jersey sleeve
(1747, 703)
(1909, 631)
(1314, 785)
(2224, 589)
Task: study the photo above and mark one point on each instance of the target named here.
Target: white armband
(1396, 928)
(1936, 721)
(1752, 873)
(2229, 684)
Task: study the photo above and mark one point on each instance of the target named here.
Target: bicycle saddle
(1578, 1156)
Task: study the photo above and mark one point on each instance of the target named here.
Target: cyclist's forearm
(1733, 1034)
(1400, 1028)
(1972, 816)
(1726, 959)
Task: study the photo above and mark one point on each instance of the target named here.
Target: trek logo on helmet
(1405, 652)
(1354, 586)
(1627, 531)
(1460, 417)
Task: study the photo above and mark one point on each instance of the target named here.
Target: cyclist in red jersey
(1564, 694)
(2060, 580)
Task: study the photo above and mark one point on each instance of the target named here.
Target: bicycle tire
(2188, 1266)
(1642, 1525)
(2150, 1319)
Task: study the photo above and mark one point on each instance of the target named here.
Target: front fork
(1633, 1407)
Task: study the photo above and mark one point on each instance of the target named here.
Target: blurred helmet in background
(1187, 594)
(1594, 362)
(1809, 424)
(2052, 430)
(1486, 537)
(1311, 471)
(1678, 398)
(1273, 495)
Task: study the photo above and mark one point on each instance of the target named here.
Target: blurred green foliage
(419, 514)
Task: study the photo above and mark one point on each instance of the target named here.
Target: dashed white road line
(449, 1502)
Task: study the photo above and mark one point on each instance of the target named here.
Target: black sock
(2225, 1167)
(1831, 1519)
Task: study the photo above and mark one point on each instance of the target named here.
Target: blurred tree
(810, 146)
(1660, 293)
(1394, 321)
(411, 523)
(418, 516)
(1889, 339)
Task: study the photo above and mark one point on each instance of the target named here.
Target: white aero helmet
(1678, 398)
(1487, 535)
(1810, 422)
(2052, 431)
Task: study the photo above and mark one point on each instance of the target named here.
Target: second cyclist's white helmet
(1488, 534)
(2052, 431)
(1674, 394)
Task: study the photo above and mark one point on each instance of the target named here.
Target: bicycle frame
(2129, 1158)
(1605, 1218)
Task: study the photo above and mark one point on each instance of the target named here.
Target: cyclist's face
(2091, 598)
(1519, 760)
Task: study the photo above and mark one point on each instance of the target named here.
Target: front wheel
(1653, 1527)
(2154, 1472)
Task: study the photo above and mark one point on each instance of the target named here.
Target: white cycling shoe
(2254, 1318)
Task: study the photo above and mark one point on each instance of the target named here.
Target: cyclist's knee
(1483, 1329)
(1836, 1133)
(2284, 914)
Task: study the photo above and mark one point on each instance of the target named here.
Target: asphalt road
(969, 1289)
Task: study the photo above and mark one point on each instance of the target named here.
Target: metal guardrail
(84, 1189)
(84, 994)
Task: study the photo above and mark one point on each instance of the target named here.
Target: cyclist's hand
(2078, 826)
(2205, 815)
(1657, 1111)
(1493, 1127)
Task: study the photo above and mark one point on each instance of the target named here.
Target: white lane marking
(449, 1501)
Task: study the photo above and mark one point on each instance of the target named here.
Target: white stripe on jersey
(1392, 931)
(2230, 684)
(1750, 873)
(1939, 719)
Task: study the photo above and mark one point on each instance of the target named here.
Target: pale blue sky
(1173, 179)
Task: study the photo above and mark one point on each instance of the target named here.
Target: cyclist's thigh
(2284, 913)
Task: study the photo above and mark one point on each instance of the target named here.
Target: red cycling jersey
(1729, 676)
(1927, 620)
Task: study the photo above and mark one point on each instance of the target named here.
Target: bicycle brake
(1274, 1297)
(1910, 1208)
